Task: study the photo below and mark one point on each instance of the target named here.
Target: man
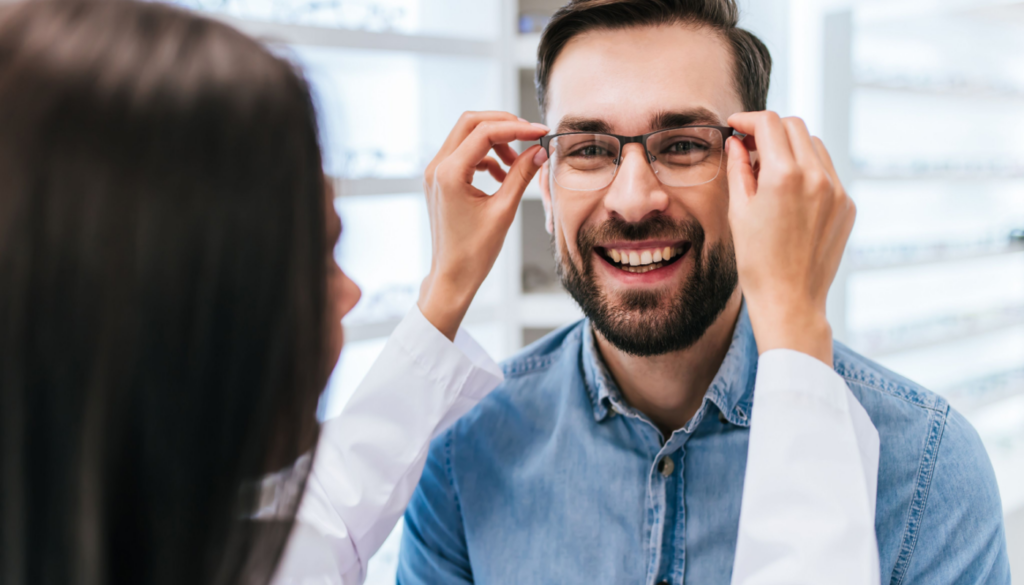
(616, 448)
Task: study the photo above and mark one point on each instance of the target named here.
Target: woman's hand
(468, 226)
(790, 224)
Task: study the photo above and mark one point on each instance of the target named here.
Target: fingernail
(523, 120)
(541, 127)
(540, 158)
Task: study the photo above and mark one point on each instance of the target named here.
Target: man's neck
(669, 388)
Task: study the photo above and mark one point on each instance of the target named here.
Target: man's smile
(646, 262)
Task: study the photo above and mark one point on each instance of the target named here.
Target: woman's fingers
(466, 124)
(486, 136)
(800, 142)
(519, 176)
(467, 227)
(506, 153)
(742, 184)
(771, 138)
(493, 167)
(845, 205)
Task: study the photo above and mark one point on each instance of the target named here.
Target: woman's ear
(545, 197)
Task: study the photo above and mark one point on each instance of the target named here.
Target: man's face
(631, 82)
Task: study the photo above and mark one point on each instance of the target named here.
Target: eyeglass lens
(681, 157)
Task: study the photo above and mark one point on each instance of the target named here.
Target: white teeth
(641, 261)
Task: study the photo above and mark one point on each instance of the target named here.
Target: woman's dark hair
(162, 294)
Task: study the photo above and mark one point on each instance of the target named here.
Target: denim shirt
(554, 478)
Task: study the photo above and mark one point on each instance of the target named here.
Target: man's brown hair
(753, 63)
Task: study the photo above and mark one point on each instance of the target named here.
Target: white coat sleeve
(370, 458)
(808, 508)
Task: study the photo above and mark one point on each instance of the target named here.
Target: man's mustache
(657, 227)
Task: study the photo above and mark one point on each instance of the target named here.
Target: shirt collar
(731, 391)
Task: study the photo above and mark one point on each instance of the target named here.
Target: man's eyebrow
(660, 121)
(579, 124)
(675, 119)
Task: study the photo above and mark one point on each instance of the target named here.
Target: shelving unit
(970, 355)
(906, 257)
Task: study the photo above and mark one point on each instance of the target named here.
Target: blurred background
(920, 102)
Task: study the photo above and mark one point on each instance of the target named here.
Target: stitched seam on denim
(681, 559)
(518, 367)
(871, 384)
(653, 552)
(526, 365)
(915, 514)
(450, 472)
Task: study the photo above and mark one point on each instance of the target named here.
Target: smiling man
(615, 451)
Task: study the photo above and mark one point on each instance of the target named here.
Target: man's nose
(636, 191)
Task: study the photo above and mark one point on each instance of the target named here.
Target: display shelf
(1000, 424)
(958, 363)
(362, 187)
(950, 88)
(913, 173)
(935, 332)
(978, 394)
(862, 260)
(295, 34)
(882, 11)
(525, 52)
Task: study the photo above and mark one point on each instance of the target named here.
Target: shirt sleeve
(369, 459)
(808, 509)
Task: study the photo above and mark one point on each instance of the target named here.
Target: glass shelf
(901, 256)
(936, 331)
(1001, 427)
(932, 43)
(961, 87)
(384, 115)
(898, 133)
(356, 359)
(473, 19)
(388, 265)
(919, 221)
(890, 300)
(954, 365)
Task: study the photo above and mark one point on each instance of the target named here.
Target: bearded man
(616, 448)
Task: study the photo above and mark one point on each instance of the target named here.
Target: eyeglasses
(680, 157)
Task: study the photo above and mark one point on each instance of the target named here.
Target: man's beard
(637, 322)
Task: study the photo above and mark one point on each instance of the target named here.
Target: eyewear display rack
(499, 307)
(971, 353)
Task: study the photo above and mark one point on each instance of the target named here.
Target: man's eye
(685, 147)
(590, 151)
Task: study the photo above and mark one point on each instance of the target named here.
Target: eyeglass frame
(727, 133)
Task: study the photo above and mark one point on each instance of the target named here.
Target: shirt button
(666, 466)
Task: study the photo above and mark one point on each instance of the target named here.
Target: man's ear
(545, 197)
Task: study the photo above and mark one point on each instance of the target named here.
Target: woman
(170, 306)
